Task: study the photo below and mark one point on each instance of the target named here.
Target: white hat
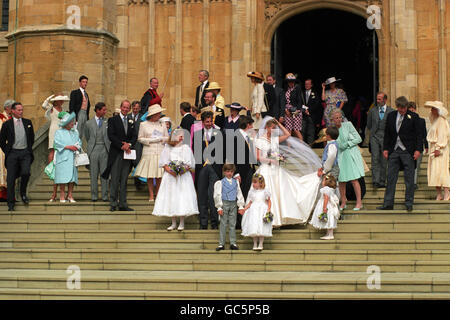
(60, 98)
(154, 109)
(437, 105)
(165, 119)
(331, 80)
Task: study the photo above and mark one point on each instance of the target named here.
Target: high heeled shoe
(172, 227)
(357, 209)
(342, 209)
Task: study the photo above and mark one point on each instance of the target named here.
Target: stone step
(308, 234)
(231, 265)
(55, 294)
(227, 255)
(192, 224)
(278, 282)
(211, 244)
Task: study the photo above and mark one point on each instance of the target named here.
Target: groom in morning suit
(403, 144)
(122, 134)
(16, 141)
(208, 153)
(76, 98)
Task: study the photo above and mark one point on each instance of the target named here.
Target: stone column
(48, 51)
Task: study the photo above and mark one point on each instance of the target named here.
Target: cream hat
(331, 80)
(213, 86)
(154, 109)
(437, 105)
(60, 98)
(255, 74)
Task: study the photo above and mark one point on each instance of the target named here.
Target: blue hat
(66, 119)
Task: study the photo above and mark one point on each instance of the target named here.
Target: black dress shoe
(203, 228)
(409, 208)
(25, 199)
(220, 248)
(94, 200)
(113, 208)
(385, 208)
(11, 208)
(234, 247)
(381, 185)
(125, 209)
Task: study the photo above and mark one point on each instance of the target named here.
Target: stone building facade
(120, 44)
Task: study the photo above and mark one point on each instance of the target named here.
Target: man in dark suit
(76, 97)
(208, 152)
(243, 156)
(403, 144)
(312, 117)
(16, 141)
(187, 118)
(203, 77)
(135, 115)
(413, 108)
(122, 134)
(269, 99)
(376, 123)
(278, 101)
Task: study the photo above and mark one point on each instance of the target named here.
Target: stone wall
(123, 43)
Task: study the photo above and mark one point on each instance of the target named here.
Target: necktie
(307, 96)
(100, 122)
(381, 113)
(125, 124)
(19, 123)
(399, 123)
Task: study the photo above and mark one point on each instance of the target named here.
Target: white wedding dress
(292, 196)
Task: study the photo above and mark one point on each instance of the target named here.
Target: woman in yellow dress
(438, 139)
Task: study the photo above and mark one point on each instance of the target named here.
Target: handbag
(81, 159)
(50, 170)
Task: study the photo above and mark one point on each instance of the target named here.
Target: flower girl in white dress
(256, 222)
(326, 214)
(176, 196)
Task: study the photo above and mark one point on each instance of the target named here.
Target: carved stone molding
(130, 2)
(272, 8)
(146, 2)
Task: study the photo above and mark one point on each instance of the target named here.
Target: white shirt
(244, 134)
(382, 108)
(208, 134)
(204, 84)
(83, 91)
(332, 152)
(186, 114)
(218, 196)
(307, 95)
(399, 142)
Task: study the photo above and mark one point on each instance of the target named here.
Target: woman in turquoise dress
(66, 143)
(351, 166)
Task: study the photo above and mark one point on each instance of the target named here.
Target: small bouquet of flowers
(323, 217)
(178, 167)
(268, 217)
(274, 155)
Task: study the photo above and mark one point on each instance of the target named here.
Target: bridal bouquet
(276, 156)
(323, 217)
(178, 167)
(268, 217)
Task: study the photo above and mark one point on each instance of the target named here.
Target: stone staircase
(130, 255)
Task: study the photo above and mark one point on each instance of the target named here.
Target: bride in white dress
(294, 185)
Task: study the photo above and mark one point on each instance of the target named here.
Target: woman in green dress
(351, 166)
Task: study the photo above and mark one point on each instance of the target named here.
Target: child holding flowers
(177, 196)
(257, 220)
(326, 214)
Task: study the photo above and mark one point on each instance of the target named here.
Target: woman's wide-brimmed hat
(437, 105)
(290, 77)
(255, 74)
(235, 105)
(322, 136)
(331, 80)
(154, 109)
(213, 86)
(60, 98)
(66, 119)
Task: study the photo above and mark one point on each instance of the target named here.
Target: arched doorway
(322, 43)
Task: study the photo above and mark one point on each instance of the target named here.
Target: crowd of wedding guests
(253, 193)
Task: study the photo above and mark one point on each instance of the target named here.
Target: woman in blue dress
(67, 142)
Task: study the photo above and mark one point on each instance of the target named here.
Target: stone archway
(278, 11)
